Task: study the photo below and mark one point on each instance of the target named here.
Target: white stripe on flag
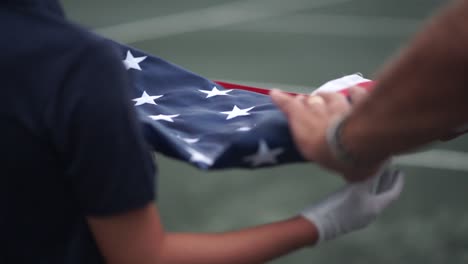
(341, 83)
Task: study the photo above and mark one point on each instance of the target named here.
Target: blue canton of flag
(193, 119)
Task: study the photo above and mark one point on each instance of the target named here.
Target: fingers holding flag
(287, 103)
(356, 94)
(297, 110)
(291, 104)
(312, 100)
(310, 117)
(336, 103)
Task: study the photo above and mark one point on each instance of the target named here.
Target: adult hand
(309, 118)
(355, 205)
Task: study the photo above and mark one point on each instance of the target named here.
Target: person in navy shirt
(77, 179)
(70, 142)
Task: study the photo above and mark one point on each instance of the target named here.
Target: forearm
(253, 245)
(420, 96)
(138, 236)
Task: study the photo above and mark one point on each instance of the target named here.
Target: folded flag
(212, 125)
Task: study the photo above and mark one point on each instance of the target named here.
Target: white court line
(208, 18)
(436, 159)
(341, 25)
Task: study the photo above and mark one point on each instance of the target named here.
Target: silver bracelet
(335, 143)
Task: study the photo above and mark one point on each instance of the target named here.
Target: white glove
(355, 205)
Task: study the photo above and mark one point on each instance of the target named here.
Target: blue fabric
(198, 125)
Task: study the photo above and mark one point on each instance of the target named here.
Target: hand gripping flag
(212, 125)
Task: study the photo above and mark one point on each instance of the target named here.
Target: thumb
(287, 103)
(384, 199)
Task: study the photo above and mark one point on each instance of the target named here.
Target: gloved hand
(355, 205)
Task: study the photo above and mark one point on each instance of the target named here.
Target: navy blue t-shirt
(70, 143)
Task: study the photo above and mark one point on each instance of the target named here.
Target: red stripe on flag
(366, 85)
(246, 88)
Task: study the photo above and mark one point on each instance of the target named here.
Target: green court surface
(295, 45)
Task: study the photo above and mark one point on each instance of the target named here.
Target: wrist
(310, 232)
(313, 220)
(335, 143)
(322, 218)
(342, 152)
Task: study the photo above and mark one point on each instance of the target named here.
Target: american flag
(210, 124)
